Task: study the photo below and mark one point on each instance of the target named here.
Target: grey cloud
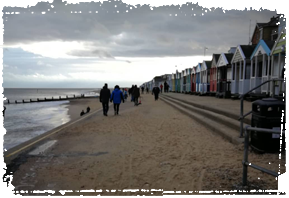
(94, 53)
(146, 32)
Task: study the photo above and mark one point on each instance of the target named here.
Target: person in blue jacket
(116, 97)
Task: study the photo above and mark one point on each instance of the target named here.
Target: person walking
(136, 95)
(142, 89)
(131, 91)
(156, 91)
(147, 90)
(161, 88)
(165, 86)
(104, 99)
(116, 97)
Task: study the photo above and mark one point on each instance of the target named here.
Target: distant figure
(132, 97)
(161, 88)
(4, 111)
(165, 86)
(87, 109)
(82, 113)
(147, 89)
(116, 97)
(104, 98)
(136, 95)
(156, 91)
(142, 89)
(125, 94)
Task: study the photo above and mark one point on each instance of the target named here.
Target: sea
(23, 122)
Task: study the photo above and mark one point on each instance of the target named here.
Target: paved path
(225, 105)
(152, 146)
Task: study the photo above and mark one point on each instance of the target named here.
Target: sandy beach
(75, 106)
(151, 146)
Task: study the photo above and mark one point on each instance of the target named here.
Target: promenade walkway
(152, 146)
(226, 106)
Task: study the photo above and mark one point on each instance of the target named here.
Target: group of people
(166, 87)
(134, 92)
(116, 97)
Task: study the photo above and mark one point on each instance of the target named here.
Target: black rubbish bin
(267, 113)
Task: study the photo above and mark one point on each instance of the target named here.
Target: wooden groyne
(47, 99)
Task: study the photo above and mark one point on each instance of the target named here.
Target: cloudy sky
(84, 44)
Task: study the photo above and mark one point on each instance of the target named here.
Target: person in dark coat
(131, 91)
(116, 97)
(87, 109)
(136, 95)
(82, 113)
(156, 91)
(142, 89)
(104, 99)
(161, 88)
(147, 90)
(165, 86)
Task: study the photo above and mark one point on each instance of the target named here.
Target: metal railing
(245, 162)
(242, 116)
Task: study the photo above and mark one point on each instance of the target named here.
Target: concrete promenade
(151, 146)
(225, 106)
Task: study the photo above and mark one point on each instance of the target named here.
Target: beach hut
(182, 82)
(224, 75)
(178, 74)
(193, 80)
(205, 77)
(188, 80)
(173, 82)
(213, 74)
(260, 67)
(198, 77)
(278, 54)
(241, 67)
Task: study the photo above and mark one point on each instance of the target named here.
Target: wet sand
(152, 146)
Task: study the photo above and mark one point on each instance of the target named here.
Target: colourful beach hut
(193, 80)
(198, 77)
(260, 66)
(224, 75)
(241, 65)
(189, 80)
(205, 77)
(182, 82)
(278, 54)
(173, 82)
(178, 86)
(213, 74)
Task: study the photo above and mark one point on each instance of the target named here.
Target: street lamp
(205, 48)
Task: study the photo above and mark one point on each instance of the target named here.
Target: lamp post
(205, 48)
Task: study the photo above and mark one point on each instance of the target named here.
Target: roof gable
(280, 42)
(222, 60)
(198, 68)
(215, 59)
(193, 70)
(238, 55)
(261, 48)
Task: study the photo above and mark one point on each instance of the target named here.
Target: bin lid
(269, 102)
